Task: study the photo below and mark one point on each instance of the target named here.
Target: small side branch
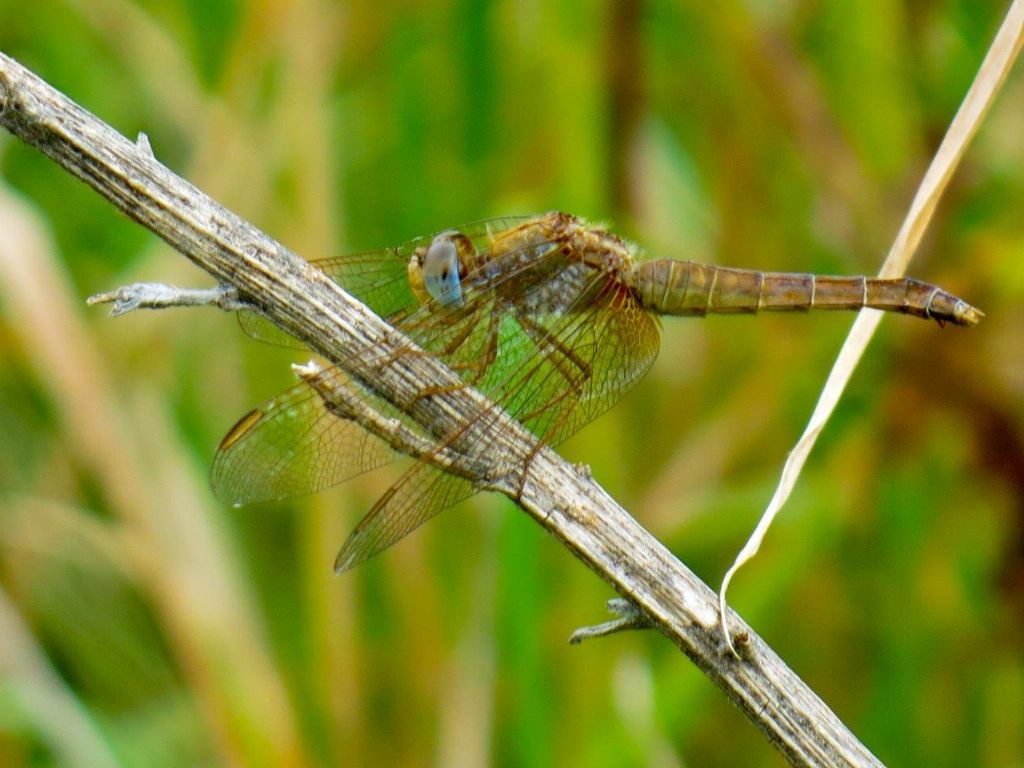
(128, 298)
(305, 303)
(340, 400)
(630, 617)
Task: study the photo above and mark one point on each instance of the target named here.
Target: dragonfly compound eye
(442, 269)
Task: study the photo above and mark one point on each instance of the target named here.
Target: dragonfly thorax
(436, 271)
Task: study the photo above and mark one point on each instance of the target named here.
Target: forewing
(376, 278)
(292, 444)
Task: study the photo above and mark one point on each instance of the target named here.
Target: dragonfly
(552, 318)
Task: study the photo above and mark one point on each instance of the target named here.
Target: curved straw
(987, 83)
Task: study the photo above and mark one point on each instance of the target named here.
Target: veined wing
(377, 278)
(419, 494)
(568, 368)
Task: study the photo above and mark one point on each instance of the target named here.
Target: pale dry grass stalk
(187, 566)
(240, 143)
(986, 86)
(64, 722)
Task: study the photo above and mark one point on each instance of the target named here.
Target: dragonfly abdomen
(687, 288)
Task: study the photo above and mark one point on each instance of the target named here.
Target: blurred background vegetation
(144, 624)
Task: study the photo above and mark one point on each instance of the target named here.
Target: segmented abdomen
(674, 287)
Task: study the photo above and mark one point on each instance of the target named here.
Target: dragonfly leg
(571, 366)
(471, 371)
(431, 391)
(574, 370)
(459, 338)
(569, 399)
(463, 324)
(482, 363)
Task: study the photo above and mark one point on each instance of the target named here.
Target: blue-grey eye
(441, 270)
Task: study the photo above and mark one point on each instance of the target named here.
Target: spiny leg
(475, 368)
(422, 325)
(573, 369)
(482, 364)
(542, 338)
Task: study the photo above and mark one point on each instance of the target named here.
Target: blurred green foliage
(142, 624)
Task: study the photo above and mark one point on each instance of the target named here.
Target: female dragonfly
(550, 317)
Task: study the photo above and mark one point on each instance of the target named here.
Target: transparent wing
(417, 496)
(566, 369)
(377, 278)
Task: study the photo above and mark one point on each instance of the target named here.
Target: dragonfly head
(436, 272)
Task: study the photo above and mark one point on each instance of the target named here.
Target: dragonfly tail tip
(344, 561)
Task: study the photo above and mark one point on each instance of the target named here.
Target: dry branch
(306, 303)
